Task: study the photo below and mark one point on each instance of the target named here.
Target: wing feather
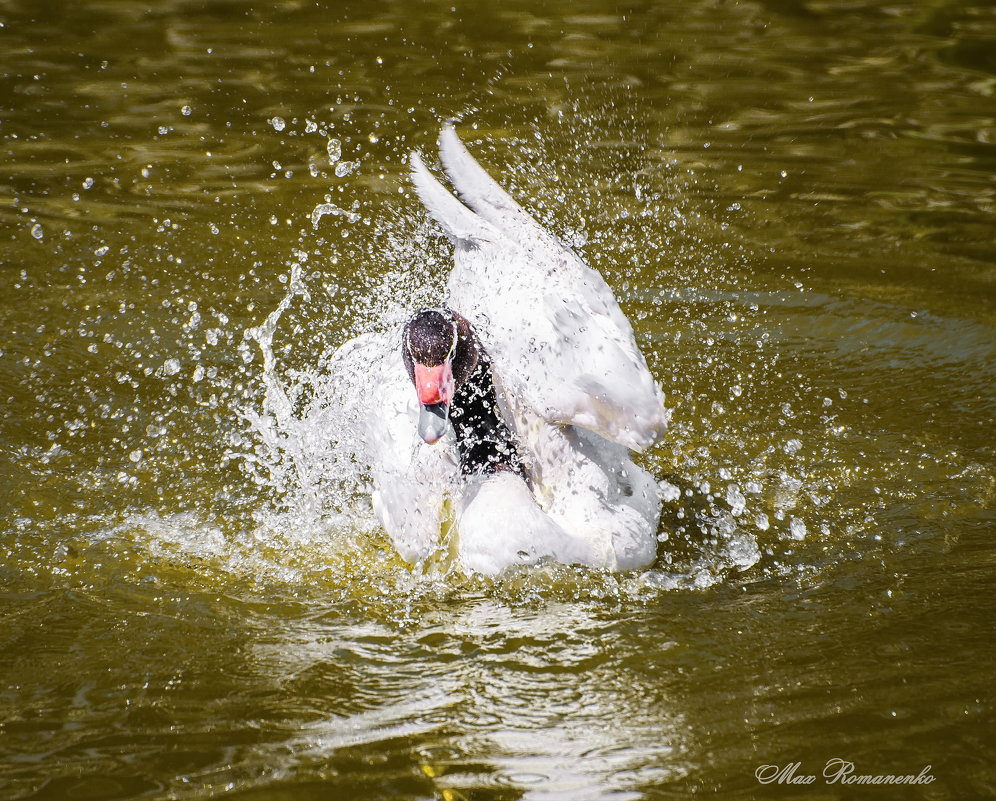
(460, 223)
(410, 479)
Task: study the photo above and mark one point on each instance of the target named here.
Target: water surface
(795, 204)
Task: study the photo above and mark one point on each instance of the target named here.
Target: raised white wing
(556, 334)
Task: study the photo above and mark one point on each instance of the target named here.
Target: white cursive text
(836, 771)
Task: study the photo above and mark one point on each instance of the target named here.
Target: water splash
(317, 476)
(763, 471)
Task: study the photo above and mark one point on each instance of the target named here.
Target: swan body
(561, 375)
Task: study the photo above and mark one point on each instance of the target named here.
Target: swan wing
(555, 332)
(410, 479)
(460, 223)
(592, 488)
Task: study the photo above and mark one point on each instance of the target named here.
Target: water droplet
(797, 529)
(214, 229)
(278, 123)
(327, 208)
(36, 231)
(344, 168)
(736, 500)
(135, 455)
(186, 111)
(171, 366)
(101, 251)
(669, 492)
(87, 182)
(334, 148)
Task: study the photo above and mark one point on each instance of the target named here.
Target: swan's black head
(440, 352)
(431, 337)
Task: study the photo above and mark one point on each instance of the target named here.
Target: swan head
(440, 352)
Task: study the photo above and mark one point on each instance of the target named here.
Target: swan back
(526, 534)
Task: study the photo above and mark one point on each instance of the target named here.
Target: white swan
(536, 367)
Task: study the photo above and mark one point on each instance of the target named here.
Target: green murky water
(795, 202)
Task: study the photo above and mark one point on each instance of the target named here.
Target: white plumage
(571, 382)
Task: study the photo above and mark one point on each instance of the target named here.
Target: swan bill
(434, 384)
(432, 421)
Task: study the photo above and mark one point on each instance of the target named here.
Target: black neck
(484, 441)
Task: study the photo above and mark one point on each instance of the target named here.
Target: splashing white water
(310, 448)
(734, 481)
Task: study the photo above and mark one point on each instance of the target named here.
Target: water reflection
(531, 703)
